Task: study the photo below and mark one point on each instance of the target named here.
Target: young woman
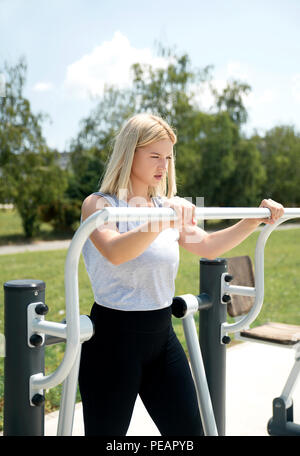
(132, 267)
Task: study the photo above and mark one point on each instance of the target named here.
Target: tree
(34, 179)
(167, 92)
(210, 151)
(217, 164)
(231, 101)
(280, 154)
(164, 91)
(30, 173)
(245, 185)
(90, 149)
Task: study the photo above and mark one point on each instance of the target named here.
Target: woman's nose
(163, 163)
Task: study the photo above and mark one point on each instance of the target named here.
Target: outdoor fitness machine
(27, 332)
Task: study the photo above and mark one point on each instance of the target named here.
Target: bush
(62, 215)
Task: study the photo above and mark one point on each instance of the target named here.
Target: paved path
(33, 247)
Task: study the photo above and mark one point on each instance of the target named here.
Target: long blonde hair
(139, 131)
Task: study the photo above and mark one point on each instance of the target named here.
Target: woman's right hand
(185, 210)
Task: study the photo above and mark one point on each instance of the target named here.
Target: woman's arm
(115, 247)
(219, 242)
(212, 245)
(127, 246)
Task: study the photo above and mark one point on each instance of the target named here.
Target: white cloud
(238, 70)
(108, 63)
(43, 86)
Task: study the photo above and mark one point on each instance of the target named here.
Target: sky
(74, 47)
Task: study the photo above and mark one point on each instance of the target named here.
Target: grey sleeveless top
(144, 283)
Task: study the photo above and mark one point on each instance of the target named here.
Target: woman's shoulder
(104, 198)
(94, 202)
(92, 199)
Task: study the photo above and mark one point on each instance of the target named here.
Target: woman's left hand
(277, 210)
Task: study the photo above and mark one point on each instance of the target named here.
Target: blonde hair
(139, 131)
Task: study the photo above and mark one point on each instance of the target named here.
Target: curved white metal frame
(258, 291)
(39, 382)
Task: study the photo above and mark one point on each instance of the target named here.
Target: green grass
(11, 230)
(282, 287)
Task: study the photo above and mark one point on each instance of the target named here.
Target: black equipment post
(21, 361)
(213, 350)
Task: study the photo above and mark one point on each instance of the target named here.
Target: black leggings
(131, 353)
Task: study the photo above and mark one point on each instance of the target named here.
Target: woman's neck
(139, 199)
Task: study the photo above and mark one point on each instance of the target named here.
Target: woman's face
(150, 162)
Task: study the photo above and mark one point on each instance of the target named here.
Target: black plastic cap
(226, 340)
(228, 278)
(26, 283)
(179, 307)
(38, 400)
(215, 262)
(41, 309)
(36, 340)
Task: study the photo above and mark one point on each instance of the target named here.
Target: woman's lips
(158, 176)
